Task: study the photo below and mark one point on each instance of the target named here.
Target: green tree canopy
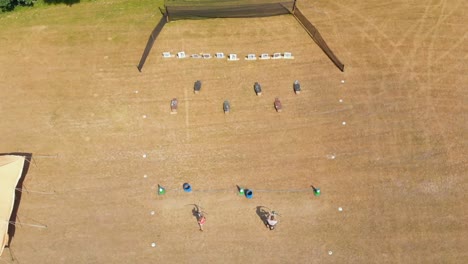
(8, 5)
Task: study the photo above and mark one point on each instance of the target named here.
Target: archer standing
(271, 220)
(201, 219)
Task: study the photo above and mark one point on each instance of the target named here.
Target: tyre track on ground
(434, 34)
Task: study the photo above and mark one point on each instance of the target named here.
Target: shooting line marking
(46, 156)
(28, 191)
(26, 224)
(187, 122)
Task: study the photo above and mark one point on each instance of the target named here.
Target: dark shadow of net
(151, 40)
(18, 193)
(57, 2)
(317, 38)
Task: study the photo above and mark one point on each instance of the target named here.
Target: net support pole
(167, 15)
(294, 6)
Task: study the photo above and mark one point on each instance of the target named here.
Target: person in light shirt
(271, 220)
(201, 221)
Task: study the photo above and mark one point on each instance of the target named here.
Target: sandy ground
(397, 167)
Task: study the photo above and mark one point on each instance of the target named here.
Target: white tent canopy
(11, 168)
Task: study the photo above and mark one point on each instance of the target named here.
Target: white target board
(288, 55)
(251, 57)
(233, 57)
(181, 55)
(264, 56)
(276, 56)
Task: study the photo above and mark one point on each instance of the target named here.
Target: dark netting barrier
(151, 41)
(315, 35)
(193, 9)
(217, 3)
(230, 11)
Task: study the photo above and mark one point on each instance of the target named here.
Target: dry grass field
(397, 167)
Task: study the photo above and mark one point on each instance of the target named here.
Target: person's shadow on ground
(262, 212)
(196, 212)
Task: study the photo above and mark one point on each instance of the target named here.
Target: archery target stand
(288, 56)
(233, 57)
(167, 55)
(181, 55)
(264, 56)
(276, 56)
(251, 57)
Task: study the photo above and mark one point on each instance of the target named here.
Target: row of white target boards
(231, 56)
